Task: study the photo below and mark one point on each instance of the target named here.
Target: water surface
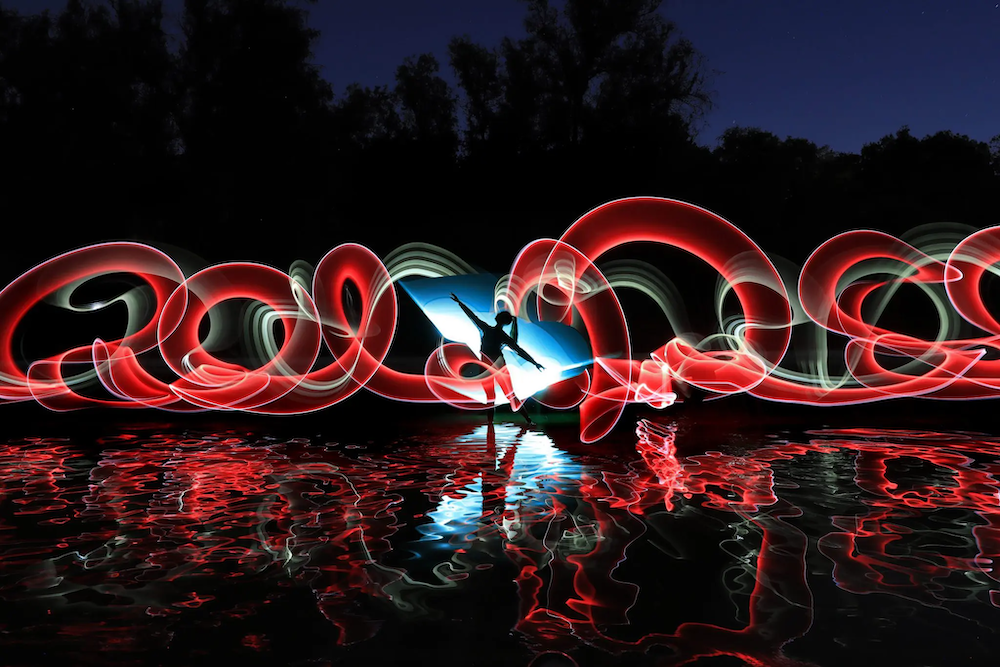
(468, 545)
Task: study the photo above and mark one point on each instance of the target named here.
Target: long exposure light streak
(347, 308)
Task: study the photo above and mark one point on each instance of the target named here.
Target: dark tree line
(227, 139)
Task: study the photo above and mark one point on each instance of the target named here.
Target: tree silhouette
(255, 113)
(478, 73)
(905, 181)
(770, 183)
(428, 137)
(87, 114)
(236, 139)
(428, 107)
(995, 154)
(595, 93)
(403, 139)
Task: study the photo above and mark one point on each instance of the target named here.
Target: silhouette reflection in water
(810, 550)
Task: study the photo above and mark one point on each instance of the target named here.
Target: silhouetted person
(494, 339)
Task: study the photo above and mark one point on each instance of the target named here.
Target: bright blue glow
(455, 516)
(529, 493)
(537, 463)
(561, 349)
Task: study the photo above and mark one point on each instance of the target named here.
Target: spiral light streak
(347, 307)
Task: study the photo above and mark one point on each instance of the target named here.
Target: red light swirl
(566, 284)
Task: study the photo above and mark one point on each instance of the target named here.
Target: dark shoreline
(368, 417)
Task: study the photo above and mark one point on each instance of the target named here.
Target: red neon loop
(563, 280)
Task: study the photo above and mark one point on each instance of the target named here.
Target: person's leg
(489, 388)
(523, 411)
(503, 378)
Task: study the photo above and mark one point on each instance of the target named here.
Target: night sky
(839, 73)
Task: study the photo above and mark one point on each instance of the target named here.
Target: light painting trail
(569, 309)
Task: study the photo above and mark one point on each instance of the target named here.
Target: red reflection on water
(862, 549)
(163, 524)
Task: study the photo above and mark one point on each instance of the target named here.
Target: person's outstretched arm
(509, 342)
(471, 315)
